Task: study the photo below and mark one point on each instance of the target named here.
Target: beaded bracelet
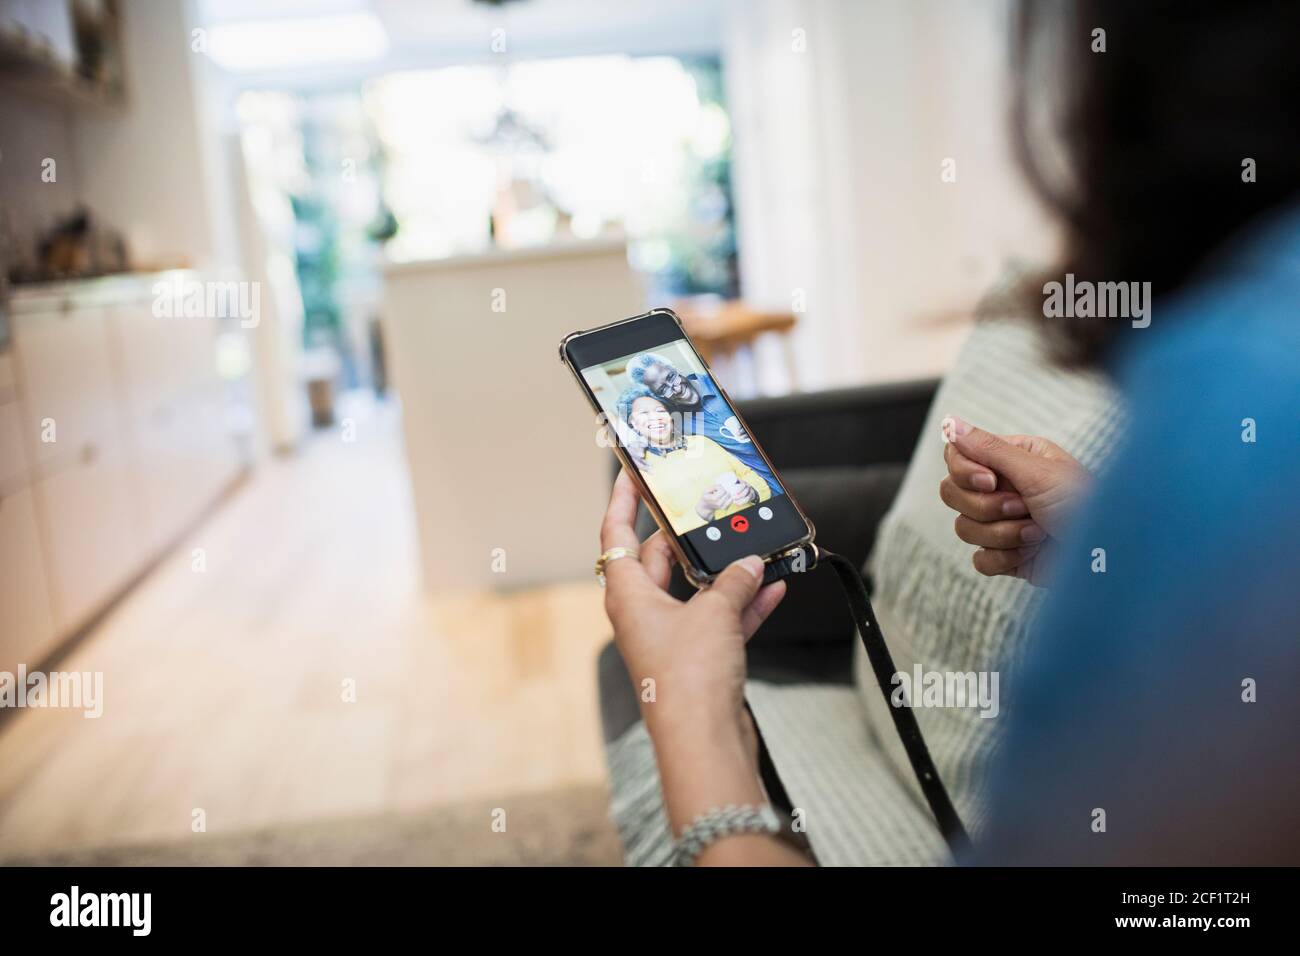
(717, 823)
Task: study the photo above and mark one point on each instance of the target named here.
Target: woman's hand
(1013, 494)
(744, 494)
(693, 652)
(714, 497)
(687, 661)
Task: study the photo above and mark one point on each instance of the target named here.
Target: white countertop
(100, 290)
(572, 248)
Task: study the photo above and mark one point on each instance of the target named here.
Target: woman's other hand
(1013, 494)
(692, 651)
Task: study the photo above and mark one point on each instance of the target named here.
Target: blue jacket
(715, 419)
(1161, 697)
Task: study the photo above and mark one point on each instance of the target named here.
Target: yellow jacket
(680, 476)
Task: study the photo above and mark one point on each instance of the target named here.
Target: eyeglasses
(668, 384)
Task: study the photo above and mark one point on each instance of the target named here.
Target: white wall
(152, 168)
(148, 169)
(838, 161)
(166, 171)
(30, 133)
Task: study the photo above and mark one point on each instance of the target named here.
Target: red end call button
(739, 524)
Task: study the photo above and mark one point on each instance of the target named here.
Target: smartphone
(704, 477)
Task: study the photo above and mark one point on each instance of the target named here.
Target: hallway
(282, 666)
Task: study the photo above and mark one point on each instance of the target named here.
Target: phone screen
(711, 482)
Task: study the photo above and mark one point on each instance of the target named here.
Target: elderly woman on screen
(694, 479)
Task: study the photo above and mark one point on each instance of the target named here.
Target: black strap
(791, 563)
(882, 664)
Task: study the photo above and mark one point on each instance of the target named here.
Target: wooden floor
(223, 690)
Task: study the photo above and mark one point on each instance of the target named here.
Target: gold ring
(613, 554)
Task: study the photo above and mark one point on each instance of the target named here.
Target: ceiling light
(262, 45)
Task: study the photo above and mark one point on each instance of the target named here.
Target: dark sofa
(842, 454)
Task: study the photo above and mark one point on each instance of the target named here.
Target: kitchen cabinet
(92, 536)
(66, 380)
(27, 631)
(13, 464)
(174, 406)
(140, 451)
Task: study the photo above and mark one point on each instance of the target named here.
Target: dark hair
(1155, 134)
(623, 404)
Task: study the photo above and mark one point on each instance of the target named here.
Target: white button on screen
(765, 513)
(713, 534)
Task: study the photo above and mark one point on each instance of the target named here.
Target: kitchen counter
(99, 290)
(551, 251)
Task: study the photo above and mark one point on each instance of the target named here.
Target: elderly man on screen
(702, 410)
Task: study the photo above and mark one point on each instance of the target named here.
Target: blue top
(1135, 697)
(715, 419)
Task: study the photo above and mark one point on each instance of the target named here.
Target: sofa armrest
(847, 427)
